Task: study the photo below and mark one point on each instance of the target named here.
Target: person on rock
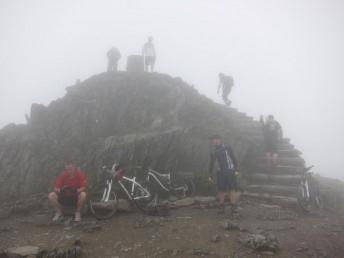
(272, 134)
(69, 191)
(226, 174)
(226, 84)
(113, 56)
(148, 53)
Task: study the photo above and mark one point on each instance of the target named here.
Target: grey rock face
(149, 119)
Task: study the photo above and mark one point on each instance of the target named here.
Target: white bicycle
(308, 193)
(103, 200)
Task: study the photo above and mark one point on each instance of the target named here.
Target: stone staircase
(276, 184)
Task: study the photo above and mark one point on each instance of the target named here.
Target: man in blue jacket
(226, 178)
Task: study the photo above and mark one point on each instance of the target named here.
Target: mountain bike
(179, 185)
(308, 193)
(103, 201)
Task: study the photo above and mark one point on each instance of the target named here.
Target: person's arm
(154, 50)
(211, 163)
(59, 183)
(143, 50)
(280, 132)
(219, 86)
(83, 182)
(233, 158)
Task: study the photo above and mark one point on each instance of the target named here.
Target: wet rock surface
(187, 232)
(262, 241)
(150, 119)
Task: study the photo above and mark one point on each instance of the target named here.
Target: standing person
(148, 53)
(226, 83)
(113, 56)
(69, 191)
(226, 178)
(272, 135)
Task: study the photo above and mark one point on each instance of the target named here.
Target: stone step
(286, 161)
(263, 178)
(289, 153)
(281, 190)
(282, 169)
(284, 145)
(276, 199)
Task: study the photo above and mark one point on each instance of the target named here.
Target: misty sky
(286, 57)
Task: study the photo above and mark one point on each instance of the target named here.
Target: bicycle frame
(129, 193)
(134, 184)
(152, 173)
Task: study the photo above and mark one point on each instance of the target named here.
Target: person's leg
(268, 159)
(274, 158)
(145, 64)
(109, 66)
(153, 64)
(115, 66)
(53, 200)
(80, 204)
(221, 196)
(221, 190)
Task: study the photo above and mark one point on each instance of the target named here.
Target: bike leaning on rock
(103, 201)
(308, 192)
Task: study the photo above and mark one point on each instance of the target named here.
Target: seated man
(69, 191)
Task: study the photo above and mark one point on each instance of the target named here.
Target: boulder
(22, 251)
(184, 202)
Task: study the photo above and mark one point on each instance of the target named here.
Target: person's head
(221, 75)
(215, 140)
(150, 39)
(70, 167)
(270, 117)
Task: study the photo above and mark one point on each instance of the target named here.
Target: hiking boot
(57, 217)
(77, 217)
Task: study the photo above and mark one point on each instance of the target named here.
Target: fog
(286, 57)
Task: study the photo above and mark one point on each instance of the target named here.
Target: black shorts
(226, 181)
(150, 60)
(68, 200)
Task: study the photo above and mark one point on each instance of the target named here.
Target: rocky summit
(143, 118)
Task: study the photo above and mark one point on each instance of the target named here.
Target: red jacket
(65, 180)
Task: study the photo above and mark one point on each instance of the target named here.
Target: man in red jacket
(69, 191)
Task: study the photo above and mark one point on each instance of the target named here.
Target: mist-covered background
(286, 57)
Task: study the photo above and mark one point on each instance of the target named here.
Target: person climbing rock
(226, 84)
(113, 56)
(226, 174)
(148, 53)
(272, 135)
(69, 191)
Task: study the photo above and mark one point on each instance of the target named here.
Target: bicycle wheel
(191, 188)
(145, 198)
(303, 201)
(101, 207)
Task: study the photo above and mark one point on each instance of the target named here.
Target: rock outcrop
(150, 119)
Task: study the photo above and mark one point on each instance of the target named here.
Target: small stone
(200, 252)
(22, 251)
(92, 228)
(215, 238)
(184, 202)
(230, 226)
(205, 199)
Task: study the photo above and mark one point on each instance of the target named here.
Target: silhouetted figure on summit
(113, 56)
(148, 53)
(225, 83)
